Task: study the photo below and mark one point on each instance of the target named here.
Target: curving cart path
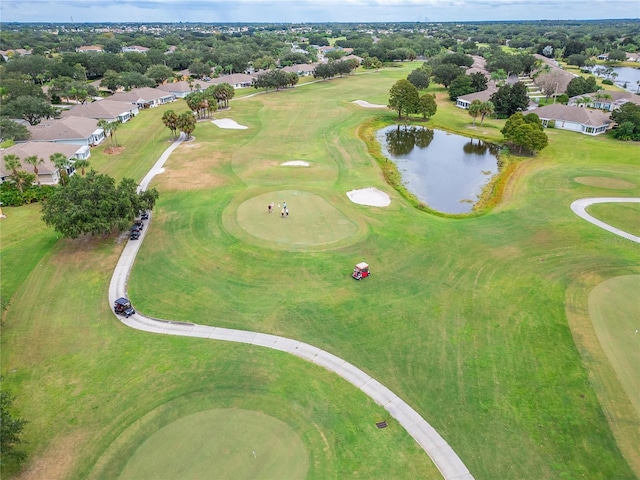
(579, 207)
(443, 456)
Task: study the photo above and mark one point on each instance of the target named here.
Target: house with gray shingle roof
(236, 80)
(70, 130)
(464, 101)
(576, 119)
(182, 88)
(302, 69)
(109, 110)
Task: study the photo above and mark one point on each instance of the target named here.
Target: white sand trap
(228, 123)
(295, 163)
(371, 197)
(365, 104)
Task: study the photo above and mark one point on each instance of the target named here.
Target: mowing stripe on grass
(442, 455)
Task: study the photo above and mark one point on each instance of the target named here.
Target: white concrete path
(579, 207)
(443, 456)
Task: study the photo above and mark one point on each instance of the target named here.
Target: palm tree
(475, 110)
(105, 126)
(81, 164)
(12, 162)
(35, 161)
(61, 162)
(114, 126)
(487, 108)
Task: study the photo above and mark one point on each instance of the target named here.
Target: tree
(31, 109)
(159, 73)
(34, 161)
(81, 164)
(548, 51)
(61, 162)
(10, 130)
(403, 97)
(461, 85)
(170, 120)
(617, 56)
(577, 59)
(186, 123)
(580, 86)
(486, 109)
(419, 78)
(131, 80)
(446, 73)
(474, 110)
(510, 99)
(10, 429)
(12, 162)
(427, 106)
(549, 82)
(94, 205)
(111, 81)
(525, 132)
(478, 82)
(627, 119)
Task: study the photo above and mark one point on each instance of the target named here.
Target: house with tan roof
(7, 54)
(89, 49)
(71, 130)
(48, 174)
(236, 80)
(182, 88)
(576, 119)
(463, 101)
(302, 69)
(106, 109)
(145, 97)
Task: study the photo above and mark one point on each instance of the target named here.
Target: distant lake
(626, 75)
(444, 170)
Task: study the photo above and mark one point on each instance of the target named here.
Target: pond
(443, 170)
(625, 77)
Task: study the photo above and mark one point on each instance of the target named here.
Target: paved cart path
(443, 456)
(579, 207)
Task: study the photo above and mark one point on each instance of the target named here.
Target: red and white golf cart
(360, 271)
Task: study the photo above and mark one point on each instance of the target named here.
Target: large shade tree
(403, 97)
(95, 205)
(525, 133)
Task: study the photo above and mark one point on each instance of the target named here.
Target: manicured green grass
(220, 443)
(466, 320)
(614, 309)
(625, 216)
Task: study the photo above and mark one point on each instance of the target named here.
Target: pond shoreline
(491, 195)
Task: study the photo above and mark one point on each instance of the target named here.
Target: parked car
(144, 215)
(123, 306)
(135, 235)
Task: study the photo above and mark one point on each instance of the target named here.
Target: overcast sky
(217, 11)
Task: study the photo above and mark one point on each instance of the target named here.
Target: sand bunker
(371, 197)
(295, 163)
(228, 123)
(365, 104)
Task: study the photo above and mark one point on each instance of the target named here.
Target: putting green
(311, 220)
(220, 443)
(615, 313)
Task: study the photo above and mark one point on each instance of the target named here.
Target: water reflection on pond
(443, 170)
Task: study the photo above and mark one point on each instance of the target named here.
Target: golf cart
(360, 271)
(123, 307)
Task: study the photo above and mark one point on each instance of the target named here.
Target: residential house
(135, 49)
(89, 49)
(145, 97)
(604, 100)
(48, 174)
(182, 88)
(464, 101)
(236, 80)
(576, 119)
(7, 54)
(106, 109)
(70, 130)
(302, 69)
